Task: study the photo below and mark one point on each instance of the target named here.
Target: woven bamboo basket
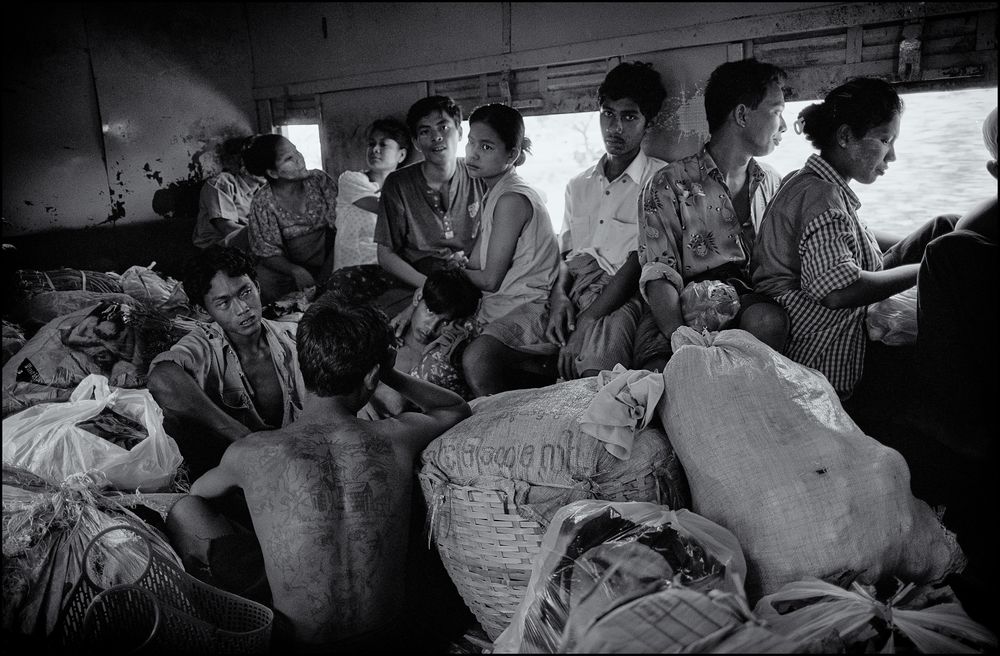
(488, 548)
(165, 610)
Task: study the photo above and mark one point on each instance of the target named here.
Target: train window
(940, 165)
(306, 138)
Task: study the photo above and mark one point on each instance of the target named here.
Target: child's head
(339, 345)
(638, 82)
(447, 295)
(743, 82)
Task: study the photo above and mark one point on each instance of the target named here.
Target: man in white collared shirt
(594, 307)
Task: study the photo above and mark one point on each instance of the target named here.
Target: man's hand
(456, 260)
(401, 321)
(562, 321)
(388, 363)
(569, 353)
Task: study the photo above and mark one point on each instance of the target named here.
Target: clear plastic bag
(855, 620)
(598, 555)
(709, 304)
(894, 320)
(45, 439)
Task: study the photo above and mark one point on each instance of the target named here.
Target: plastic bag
(709, 304)
(145, 285)
(45, 440)
(601, 554)
(855, 621)
(678, 620)
(894, 320)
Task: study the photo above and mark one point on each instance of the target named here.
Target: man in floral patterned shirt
(698, 216)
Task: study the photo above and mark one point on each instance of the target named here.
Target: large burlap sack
(770, 454)
(534, 436)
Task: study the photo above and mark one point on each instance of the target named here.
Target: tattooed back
(330, 507)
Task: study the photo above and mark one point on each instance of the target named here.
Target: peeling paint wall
(113, 113)
(53, 167)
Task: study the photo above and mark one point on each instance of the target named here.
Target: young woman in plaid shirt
(815, 255)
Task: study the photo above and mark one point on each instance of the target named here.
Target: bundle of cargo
(83, 573)
(636, 578)
(115, 432)
(771, 455)
(493, 482)
(865, 620)
(28, 283)
(114, 339)
(46, 529)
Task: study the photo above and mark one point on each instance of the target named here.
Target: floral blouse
(276, 231)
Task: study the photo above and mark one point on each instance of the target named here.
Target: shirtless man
(329, 495)
(229, 378)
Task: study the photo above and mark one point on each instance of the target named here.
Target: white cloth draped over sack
(626, 401)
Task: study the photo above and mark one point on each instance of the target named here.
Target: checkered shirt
(833, 248)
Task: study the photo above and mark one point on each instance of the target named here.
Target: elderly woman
(815, 255)
(291, 218)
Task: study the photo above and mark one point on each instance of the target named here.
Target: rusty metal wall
(173, 82)
(113, 112)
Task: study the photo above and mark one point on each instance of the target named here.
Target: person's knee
(186, 512)
(484, 363)
(945, 223)
(767, 322)
(478, 361)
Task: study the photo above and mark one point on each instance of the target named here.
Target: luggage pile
(493, 483)
(798, 512)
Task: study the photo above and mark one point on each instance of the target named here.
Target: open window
(306, 138)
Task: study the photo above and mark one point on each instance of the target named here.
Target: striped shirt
(812, 242)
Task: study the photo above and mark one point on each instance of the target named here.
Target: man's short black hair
(638, 81)
(425, 106)
(451, 294)
(735, 83)
(202, 268)
(339, 343)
